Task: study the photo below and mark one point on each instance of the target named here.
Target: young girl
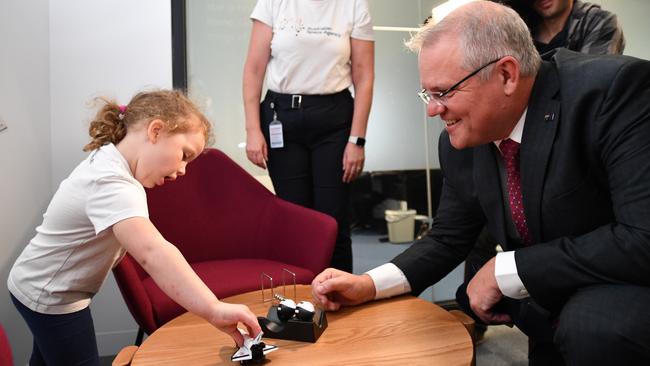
(98, 213)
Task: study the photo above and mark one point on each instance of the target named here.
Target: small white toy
(252, 350)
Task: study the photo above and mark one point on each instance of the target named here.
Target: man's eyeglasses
(441, 97)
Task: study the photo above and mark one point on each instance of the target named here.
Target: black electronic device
(295, 329)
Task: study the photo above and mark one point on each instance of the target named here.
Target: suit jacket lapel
(539, 132)
(489, 192)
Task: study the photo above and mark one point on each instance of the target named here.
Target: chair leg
(139, 337)
(469, 324)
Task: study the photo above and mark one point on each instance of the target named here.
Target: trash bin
(400, 225)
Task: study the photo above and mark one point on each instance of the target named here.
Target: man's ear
(508, 68)
(154, 129)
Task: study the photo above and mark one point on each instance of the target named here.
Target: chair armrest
(125, 356)
(6, 357)
(135, 296)
(299, 236)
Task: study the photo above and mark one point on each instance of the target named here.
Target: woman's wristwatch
(359, 141)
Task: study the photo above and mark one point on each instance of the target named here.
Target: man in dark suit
(554, 158)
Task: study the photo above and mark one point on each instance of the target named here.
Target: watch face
(359, 141)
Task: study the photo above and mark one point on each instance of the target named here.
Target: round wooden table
(405, 330)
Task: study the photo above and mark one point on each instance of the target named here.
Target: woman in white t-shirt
(98, 213)
(311, 52)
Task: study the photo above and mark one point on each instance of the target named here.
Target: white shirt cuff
(389, 281)
(505, 271)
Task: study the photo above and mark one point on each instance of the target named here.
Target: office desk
(405, 330)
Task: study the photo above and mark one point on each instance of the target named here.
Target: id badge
(275, 134)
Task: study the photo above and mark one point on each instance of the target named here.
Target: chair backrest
(218, 211)
(6, 358)
(214, 187)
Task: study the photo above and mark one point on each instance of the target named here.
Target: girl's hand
(227, 316)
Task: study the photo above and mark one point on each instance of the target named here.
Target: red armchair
(6, 358)
(230, 229)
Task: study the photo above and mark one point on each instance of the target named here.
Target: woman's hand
(256, 149)
(353, 159)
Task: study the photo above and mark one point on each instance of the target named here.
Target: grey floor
(502, 346)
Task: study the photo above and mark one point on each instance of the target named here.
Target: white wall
(56, 56)
(633, 15)
(108, 48)
(25, 146)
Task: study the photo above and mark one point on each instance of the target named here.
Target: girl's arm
(171, 272)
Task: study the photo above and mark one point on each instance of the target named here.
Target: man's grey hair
(486, 31)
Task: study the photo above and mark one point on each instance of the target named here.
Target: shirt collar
(518, 131)
(114, 155)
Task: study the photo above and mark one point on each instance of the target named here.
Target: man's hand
(483, 292)
(333, 288)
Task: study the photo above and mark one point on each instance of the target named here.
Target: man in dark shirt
(573, 24)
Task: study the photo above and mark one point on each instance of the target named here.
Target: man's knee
(598, 326)
(583, 343)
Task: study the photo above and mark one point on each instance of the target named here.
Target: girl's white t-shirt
(310, 49)
(74, 249)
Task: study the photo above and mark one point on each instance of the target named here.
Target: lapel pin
(549, 117)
